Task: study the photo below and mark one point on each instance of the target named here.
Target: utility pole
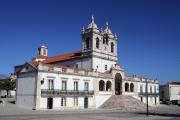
(147, 113)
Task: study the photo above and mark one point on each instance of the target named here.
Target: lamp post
(147, 108)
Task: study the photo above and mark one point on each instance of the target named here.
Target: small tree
(7, 85)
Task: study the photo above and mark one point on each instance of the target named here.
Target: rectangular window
(64, 69)
(64, 85)
(105, 67)
(51, 85)
(141, 88)
(141, 99)
(76, 66)
(150, 89)
(86, 86)
(75, 101)
(63, 101)
(75, 85)
(154, 89)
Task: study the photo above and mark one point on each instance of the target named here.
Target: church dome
(107, 30)
(92, 24)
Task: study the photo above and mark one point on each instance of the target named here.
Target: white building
(83, 79)
(170, 91)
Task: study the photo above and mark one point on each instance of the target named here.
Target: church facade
(83, 79)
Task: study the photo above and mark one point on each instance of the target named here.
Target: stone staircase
(124, 103)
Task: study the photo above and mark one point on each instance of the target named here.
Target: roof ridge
(64, 54)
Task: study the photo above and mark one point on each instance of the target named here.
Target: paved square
(9, 111)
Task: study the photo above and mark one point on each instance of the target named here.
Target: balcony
(149, 94)
(68, 93)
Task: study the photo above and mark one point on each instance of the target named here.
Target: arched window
(126, 87)
(101, 85)
(107, 40)
(97, 43)
(132, 87)
(112, 47)
(108, 86)
(104, 40)
(87, 43)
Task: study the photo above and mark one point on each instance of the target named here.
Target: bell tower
(109, 42)
(89, 37)
(43, 50)
(100, 46)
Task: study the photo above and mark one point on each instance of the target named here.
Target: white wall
(25, 101)
(25, 92)
(151, 99)
(69, 103)
(101, 64)
(43, 103)
(58, 78)
(174, 92)
(100, 99)
(153, 85)
(83, 63)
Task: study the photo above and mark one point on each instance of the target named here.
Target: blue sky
(148, 32)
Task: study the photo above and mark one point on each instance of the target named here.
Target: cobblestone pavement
(9, 111)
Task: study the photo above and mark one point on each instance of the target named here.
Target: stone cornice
(104, 58)
(75, 74)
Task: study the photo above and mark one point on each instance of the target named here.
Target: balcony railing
(149, 94)
(57, 92)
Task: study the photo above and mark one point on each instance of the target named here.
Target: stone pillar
(37, 92)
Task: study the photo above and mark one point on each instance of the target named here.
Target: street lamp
(147, 108)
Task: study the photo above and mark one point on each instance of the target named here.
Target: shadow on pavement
(12, 102)
(161, 114)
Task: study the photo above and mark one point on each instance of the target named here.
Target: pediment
(26, 68)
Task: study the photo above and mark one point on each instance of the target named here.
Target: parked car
(167, 102)
(175, 102)
(161, 101)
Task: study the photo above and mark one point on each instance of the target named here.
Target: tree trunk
(7, 92)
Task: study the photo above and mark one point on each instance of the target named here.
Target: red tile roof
(34, 63)
(62, 57)
(54, 59)
(42, 57)
(175, 83)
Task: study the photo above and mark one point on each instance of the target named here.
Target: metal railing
(149, 94)
(57, 92)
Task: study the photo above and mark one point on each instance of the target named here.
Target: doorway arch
(118, 84)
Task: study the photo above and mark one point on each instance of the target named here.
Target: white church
(89, 78)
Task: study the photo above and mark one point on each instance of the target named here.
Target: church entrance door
(118, 84)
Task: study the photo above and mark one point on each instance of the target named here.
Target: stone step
(125, 103)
